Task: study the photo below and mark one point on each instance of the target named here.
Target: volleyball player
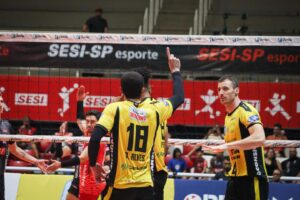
(133, 124)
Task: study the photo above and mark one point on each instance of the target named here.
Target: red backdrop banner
(54, 99)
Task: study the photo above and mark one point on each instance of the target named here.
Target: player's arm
(21, 154)
(81, 95)
(94, 143)
(178, 93)
(255, 139)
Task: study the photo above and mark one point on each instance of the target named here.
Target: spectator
(276, 176)
(96, 24)
(223, 174)
(216, 163)
(28, 129)
(271, 162)
(199, 163)
(214, 134)
(291, 166)
(277, 135)
(177, 164)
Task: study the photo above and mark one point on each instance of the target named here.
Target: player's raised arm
(178, 93)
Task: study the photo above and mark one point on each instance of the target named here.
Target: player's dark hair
(233, 80)
(146, 73)
(99, 10)
(95, 113)
(278, 125)
(132, 84)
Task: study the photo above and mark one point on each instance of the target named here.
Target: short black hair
(278, 125)
(233, 80)
(175, 151)
(100, 10)
(146, 73)
(95, 113)
(132, 84)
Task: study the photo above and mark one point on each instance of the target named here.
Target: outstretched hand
(81, 94)
(41, 163)
(174, 63)
(215, 149)
(100, 172)
(54, 166)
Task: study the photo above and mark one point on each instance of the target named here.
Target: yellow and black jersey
(159, 145)
(248, 162)
(133, 129)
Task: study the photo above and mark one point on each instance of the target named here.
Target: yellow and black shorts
(247, 188)
(142, 193)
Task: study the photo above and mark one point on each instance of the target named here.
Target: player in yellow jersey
(160, 145)
(244, 137)
(133, 125)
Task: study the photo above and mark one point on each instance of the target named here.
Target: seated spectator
(199, 163)
(216, 163)
(291, 166)
(177, 164)
(223, 175)
(277, 135)
(214, 134)
(276, 176)
(271, 162)
(96, 24)
(28, 129)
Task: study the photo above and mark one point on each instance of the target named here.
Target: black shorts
(143, 193)
(74, 187)
(2, 193)
(247, 188)
(160, 179)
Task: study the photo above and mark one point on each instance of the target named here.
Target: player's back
(133, 129)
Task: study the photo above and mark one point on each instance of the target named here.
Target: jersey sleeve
(250, 117)
(165, 110)
(107, 118)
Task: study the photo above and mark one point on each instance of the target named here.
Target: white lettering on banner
(31, 99)
(186, 105)
(209, 99)
(65, 96)
(254, 103)
(97, 101)
(204, 197)
(5, 107)
(275, 101)
(79, 51)
(136, 55)
(298, 106)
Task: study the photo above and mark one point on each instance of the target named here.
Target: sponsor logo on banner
(277, 108)
(38, 36)
(124, 37)
(204, 197)
(284, 40)
(298, 107)
(217, 39)
(17, 35)
(104, 37)
(59, 37)
(186, 105)
(137, 114)
(65, 96)
(80, 37)
(238, 39)
(5, 107)
(31, 99)
(262, 40)
(254, 103)
(170, 38)
(79, 51)
(147, 38)
(209, 99)
(97, 101)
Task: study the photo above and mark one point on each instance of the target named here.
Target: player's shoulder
(244, 106)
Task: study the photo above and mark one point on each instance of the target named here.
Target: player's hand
(41, 163)
(174, 63)
(81, 94)
(54, 166)
(100, 172)
(63, 128)
(215, 149)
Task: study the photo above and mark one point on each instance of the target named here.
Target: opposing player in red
(88, 188)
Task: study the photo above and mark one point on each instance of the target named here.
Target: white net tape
(26, 138)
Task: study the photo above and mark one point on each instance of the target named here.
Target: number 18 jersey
(133, 130)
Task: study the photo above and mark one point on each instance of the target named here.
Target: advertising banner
(227, 54)
(54, 99)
